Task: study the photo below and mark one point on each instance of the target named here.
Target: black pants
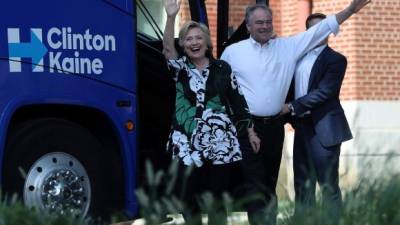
(260, 171)
(208, 178)
(314, 163)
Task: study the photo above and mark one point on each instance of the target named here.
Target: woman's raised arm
(171, 8)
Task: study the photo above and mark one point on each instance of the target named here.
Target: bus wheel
(57, 166)
(58, 183)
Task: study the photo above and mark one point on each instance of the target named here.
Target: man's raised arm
(354, 7)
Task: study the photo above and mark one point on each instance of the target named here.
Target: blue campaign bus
(84, 101)
(68, 102)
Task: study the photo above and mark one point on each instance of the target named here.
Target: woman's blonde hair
(190, 25)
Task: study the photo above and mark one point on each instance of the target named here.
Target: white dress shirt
(265, 72)
(303, 71)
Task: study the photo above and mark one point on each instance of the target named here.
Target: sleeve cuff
(177, 63)
(291, 109)
(333, 24)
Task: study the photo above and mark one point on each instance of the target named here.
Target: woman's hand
(172, 7)
(254, 140)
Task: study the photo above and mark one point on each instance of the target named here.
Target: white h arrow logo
(35, 50)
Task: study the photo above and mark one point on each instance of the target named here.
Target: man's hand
(357, 5)
(172, 7)
(285, 110)
(254, 140)
(354, 7)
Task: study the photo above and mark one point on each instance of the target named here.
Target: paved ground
(236, 218)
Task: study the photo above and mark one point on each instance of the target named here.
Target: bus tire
(41, 152)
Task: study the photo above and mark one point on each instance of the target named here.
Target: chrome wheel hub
(58, 183)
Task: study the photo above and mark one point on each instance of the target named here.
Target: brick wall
(370, 40)
(184, 13)
(237, 10)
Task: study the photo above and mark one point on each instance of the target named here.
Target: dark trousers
(260, 170)
(314, 163)
(208, 178)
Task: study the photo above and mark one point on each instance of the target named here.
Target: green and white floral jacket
(206, 104)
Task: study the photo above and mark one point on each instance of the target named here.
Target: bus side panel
(88, 38)
(70, 52)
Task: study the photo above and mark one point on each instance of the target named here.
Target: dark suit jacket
(322, 99)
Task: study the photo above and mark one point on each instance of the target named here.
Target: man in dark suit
(320, 123)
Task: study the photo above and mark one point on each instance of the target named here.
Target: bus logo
(33, 49)
(61, 49)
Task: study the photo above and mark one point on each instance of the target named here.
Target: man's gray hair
(252, 8)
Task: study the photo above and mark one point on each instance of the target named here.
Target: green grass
(369, 203)
(376, 203)
(13, 212)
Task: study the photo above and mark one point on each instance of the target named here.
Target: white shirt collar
(254, 42)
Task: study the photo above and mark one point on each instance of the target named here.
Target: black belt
(304, 118)
(266, 119)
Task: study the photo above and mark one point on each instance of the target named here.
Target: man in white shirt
(264, 68)
(320, 125)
